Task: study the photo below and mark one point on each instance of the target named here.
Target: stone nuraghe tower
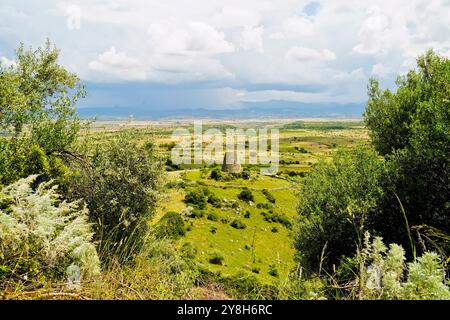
(230, 163)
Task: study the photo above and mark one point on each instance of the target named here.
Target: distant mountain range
(248, 110)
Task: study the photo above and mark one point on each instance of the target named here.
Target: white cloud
(380, 70)
(374, 35)
(5, 62)
(294, 27)
(194, 38)
(119, 65)
(232, 17)
(179, 41)
(175, 69)
(308, 54)
(252, 39)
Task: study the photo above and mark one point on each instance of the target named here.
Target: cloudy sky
(221, 53)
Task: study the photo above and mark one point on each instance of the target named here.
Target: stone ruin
(230, 163)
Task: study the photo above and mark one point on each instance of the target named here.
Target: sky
(225, 53)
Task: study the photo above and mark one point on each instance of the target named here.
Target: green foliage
(238, 224)
(268, 196)
(216, 174)
(197, 198)
(273, 271)
(215, 201)
(159, 271)
(246, 195)
(412, 128)
(171, 226)
(42, 237)
(336, 198)
(40, 95)
(120, 183)
(216, 258)
(20, 159)
(213, 216)
(276, 217)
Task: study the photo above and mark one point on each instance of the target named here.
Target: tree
(411, 127)
(336, 199)
(40, 95)
(119, 179)
(37, 114)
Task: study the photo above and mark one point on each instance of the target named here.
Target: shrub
(197, 214)
(238, 224)
(38, 98)
(41, 236)
(268, 196)
(256, 270)
(188, 251)
(216, 174)
(247, 214)
(273, 271)
(216, 258)
(197, 198)
(120, 180)
(171, 226)
(274, 230)
(266, 206)
(336, 198)
(212, 216)
(19, 158)
(381, 273)
(246, 174)
(411, 128)
(215, 201)
(246, 195)
(278, 218)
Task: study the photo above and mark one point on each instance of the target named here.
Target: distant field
(262, 246)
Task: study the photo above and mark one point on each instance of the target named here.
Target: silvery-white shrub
(39, 231)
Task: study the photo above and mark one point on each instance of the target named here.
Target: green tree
(38, 119)
(412, 128)
(336, 199)
(40, 95)
(119, 178)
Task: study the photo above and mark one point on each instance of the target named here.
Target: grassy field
(263, 248)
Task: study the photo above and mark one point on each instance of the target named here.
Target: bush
(120, 180)
(247, 214)
(216, 258)
(159, 271)
(238, 224)
(198, 198)
(216, 174)
(279, 218)
(274, 230)
(215, 201)
(411, 128)
(171, 226)
(197, 214)
(20, 159)
(212, 216)
(336, 198)
(246, 195)
(266, 206)
(269, 196)
(273, 271)
(381, 273)
(42, 237)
